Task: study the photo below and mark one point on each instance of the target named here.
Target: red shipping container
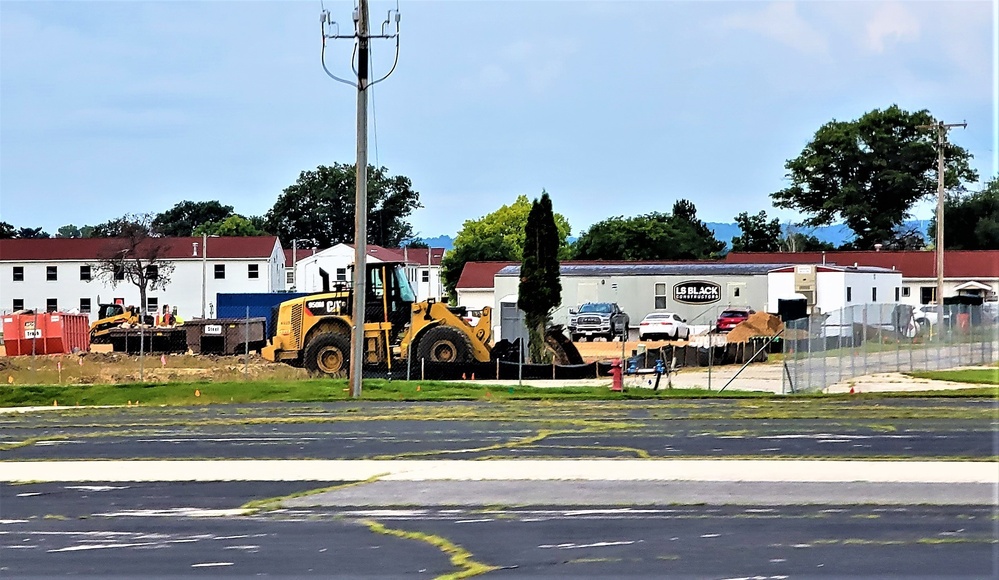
(46, 333)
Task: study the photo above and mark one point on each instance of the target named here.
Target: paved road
(663, 429)
(152, 530)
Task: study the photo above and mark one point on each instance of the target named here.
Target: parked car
(730, 317)
(926, 315)
(663, 326)
(595, 319)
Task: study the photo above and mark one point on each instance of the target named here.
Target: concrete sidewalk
(718, 470)
(597, 482)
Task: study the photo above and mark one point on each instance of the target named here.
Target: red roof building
(968, 272)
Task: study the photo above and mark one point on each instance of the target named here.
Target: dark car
(730, 317)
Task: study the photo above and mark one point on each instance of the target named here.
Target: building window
(660, 296)
(85, 272)
(19, 273)
(252, 271)
(18, 304)
(424, 275)
(927, 294)
(152, 272)
(874, 294)
(220, 271)
(51, 273)
(341, 274)
(849, 293)
(898, 293)
(289, 277)
(906, 291)
(152, 304)
(85, 305)
(119, 272)
(51, 305)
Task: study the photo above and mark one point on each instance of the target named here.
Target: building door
(512, 325)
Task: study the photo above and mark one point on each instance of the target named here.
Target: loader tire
(444, 344)
(328, 354)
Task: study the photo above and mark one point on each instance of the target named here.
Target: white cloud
(891, 22)
(781, 22)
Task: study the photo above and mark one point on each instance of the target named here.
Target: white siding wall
(184, 290)
(477, 298)
(342, 256)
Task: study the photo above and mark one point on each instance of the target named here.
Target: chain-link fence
(832, 347)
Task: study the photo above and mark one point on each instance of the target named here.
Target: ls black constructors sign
(697, 292)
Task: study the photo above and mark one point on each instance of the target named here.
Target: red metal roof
(419, 255)
(912, 263)
(297, 254)
(411, 256)
(34, 250)
(480, 274)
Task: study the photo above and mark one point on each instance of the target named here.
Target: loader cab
(388, 295)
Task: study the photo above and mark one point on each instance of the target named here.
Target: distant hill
(837, 234)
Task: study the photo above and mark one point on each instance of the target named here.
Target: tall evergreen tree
(540, 287)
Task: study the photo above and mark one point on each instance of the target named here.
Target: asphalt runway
(153, 530)
(916, 428)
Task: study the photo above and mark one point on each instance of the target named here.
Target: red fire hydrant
(617, 383)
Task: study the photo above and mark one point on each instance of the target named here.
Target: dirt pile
(758, 324)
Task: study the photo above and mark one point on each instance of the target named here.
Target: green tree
(971, 221)
(869, 173)
(69, 231)
(319, 207)
(182, 219)
(134, 255)
(653, 236)
(7, 231)
(497, 236)
(124, 226)
(234, 225)
(540, 288)
(758, 233)
(32, 234)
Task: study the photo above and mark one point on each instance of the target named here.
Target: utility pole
(941, 128)
(362, 39)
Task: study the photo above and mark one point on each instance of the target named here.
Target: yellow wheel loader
(314, 331)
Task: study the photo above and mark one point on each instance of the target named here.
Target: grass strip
(460, 557)
(974, 376)
(323, 390)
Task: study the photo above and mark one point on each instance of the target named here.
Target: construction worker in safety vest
(165, 319)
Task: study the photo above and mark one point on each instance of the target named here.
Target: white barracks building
(58, 273)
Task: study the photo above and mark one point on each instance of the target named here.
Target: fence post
(246, 340)
(520, 364)
(409, 359)
(711, 354)
(141, 358)
(34, 337)
(423, 369)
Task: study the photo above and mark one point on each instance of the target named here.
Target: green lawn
(320, 390)
(975, 376)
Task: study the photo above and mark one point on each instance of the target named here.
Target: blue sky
(615, 108)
